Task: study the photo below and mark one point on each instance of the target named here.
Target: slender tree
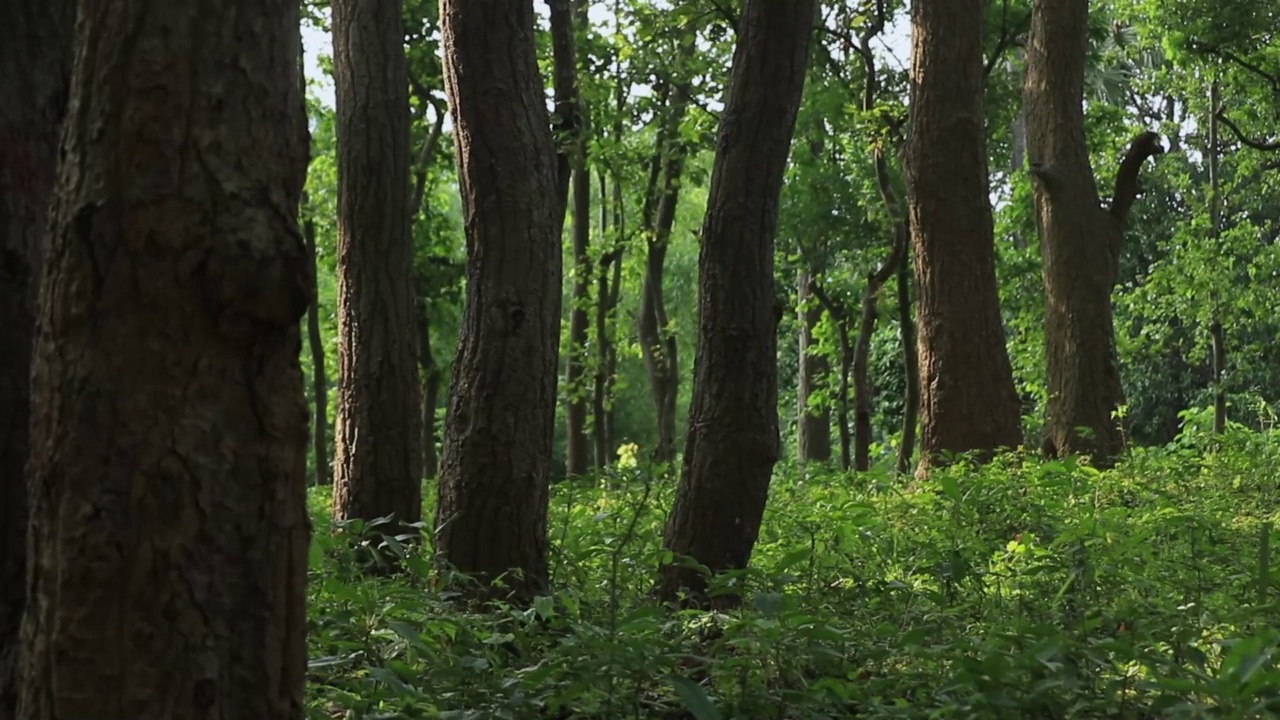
(376, 456)
(732, 441)
(575, 176)
(1080, 239)
(495, 466)
(169, 528)
(813, 427)
(35, 69)
(968, 399)
(319, 380)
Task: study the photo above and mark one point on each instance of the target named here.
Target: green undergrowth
(1021, 589)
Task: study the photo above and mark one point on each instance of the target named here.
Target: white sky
(895, 45)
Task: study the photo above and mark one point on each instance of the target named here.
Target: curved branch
(1143, 146)
(1244, 139)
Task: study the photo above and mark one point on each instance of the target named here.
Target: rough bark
(1080, 239)
(732, 441)
(319, 381)
(968, 399)
(35, 69)
(168, 467)
(377, 434)
(491, 515)
(910, 365)
(813, 426)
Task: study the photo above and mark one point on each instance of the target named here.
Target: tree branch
(1143, 146)
(1264, 146)
(1272, 79)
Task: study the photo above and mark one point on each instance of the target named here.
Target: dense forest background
(1150, 66)
(706, 359)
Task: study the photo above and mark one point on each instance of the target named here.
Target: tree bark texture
(968, 399)
(1080, 240)
(495, 466)
(376, 456)
(813, 426)
(35, 70)
(168, 467)
(319, 381)
(732, 441)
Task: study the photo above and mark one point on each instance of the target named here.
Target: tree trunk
(732, 441)
(428, 370)
(968, 400)
(35, 69)
(608, 290)
(842, 392)
(1216, 333)
(430, 394)
(565, 15)
(319, 382)
(169, 528)
(1080, 241)
(910, 365)
(377, 458)
(875, 280)
(492, 511)
(813, 426)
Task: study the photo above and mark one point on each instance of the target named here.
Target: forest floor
(1022, 589)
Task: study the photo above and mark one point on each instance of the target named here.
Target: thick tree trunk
(968, 400)
(377, 458)
(168, 465)
(492, 511)
(732, 441)
(910, 367)
(813, 425)
(35, 70)
(319, 381)
(1080, 240)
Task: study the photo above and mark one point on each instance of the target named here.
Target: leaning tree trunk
(732, 441)
(1080, 240)
(813, 424)
(168, 466)
(35, 68)
(377, 458)
(968, 399)
(492, 511)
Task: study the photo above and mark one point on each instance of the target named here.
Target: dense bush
(1018, 590)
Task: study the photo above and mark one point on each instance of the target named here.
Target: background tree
(1080, 239)
(968, 400)
(35, 69)
(491, 509)
(169, 435)
(377, 458)
(732, 443)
